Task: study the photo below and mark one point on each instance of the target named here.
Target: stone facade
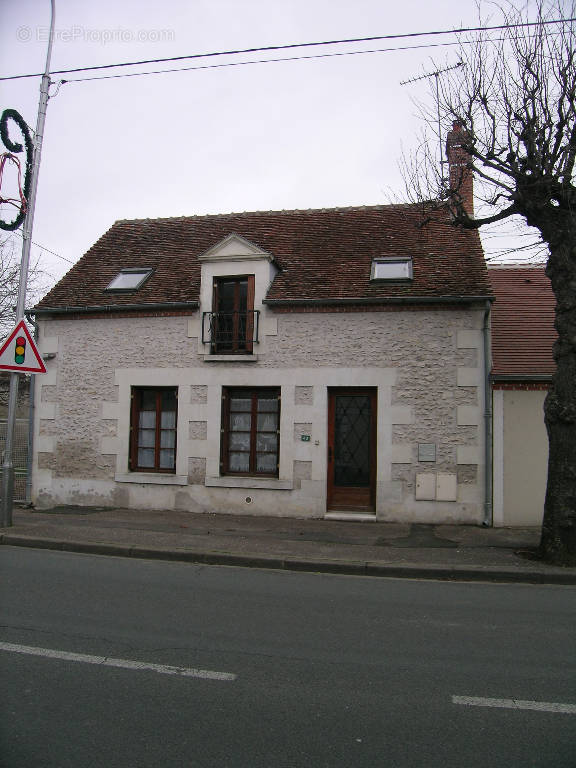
(426, 367)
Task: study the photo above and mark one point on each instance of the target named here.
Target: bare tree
(511, 108)
(38, 283)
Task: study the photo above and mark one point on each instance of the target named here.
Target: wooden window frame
(248, 347)
(135, 410)
(254, 393)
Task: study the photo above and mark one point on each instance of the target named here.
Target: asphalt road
(110, 662)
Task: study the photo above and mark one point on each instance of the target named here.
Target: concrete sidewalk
(369, 549)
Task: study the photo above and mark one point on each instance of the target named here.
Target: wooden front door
(352, 449)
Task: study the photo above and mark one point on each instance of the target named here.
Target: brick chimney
(459, 162)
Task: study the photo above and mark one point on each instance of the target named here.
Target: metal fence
(19, 456)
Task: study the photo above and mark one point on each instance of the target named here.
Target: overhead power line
(257, 61)
(263, 49)
(43, 248)
(271, 61)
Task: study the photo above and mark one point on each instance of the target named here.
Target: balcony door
(233, 318)
(352, 449)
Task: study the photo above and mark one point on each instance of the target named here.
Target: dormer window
(235, 275)
(392, 268)
(232, 326)
(130, 279)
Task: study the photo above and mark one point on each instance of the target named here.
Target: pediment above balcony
(235, 248)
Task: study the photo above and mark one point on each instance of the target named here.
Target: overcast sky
(297, 134)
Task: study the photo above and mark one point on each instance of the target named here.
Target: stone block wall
(425, 365)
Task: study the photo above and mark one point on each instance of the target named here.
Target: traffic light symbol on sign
(20, 350)
(19, 353)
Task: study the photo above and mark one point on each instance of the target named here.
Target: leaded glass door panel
(351, 449)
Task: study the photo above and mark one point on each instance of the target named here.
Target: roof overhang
(371, 301)
(114, 308)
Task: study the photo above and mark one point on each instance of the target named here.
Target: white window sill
(230, 358)
(151, 478)
(267, 483)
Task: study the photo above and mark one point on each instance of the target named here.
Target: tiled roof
(522, 322)
(323, 255)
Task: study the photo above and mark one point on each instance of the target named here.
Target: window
(153, 430)
(392, 269)
(250, 431)
(130, 279)
(232, 321)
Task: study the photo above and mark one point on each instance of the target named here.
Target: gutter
(113, 308)
(374, 300)
(488, 521)
(270, 302)
(521, 377)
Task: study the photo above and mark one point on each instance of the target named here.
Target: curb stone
(350, 568)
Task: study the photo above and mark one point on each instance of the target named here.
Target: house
(523, 335)
(297, 363)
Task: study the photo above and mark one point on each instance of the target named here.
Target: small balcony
(230, 333)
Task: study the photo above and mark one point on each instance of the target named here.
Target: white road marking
(106, 661)
(538, 706)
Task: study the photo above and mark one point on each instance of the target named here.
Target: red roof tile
(522, 322)
(323, 255)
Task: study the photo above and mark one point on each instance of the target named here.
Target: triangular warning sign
(19, 352)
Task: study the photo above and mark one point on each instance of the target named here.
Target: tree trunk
(558, 542)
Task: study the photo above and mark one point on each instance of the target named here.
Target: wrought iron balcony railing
(233, 333)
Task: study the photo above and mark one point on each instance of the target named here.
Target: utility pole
(6, 500)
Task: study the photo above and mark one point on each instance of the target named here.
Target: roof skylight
(396, 268)
(130, 279)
